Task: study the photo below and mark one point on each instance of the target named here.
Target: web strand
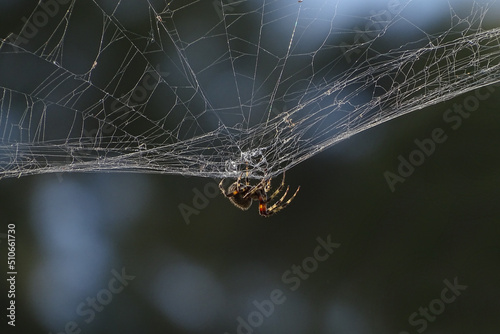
(214, 88)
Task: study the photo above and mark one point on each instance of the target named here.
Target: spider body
(242, 195)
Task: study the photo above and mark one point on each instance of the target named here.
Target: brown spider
(242, 195)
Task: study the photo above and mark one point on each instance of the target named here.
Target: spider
(242, 195)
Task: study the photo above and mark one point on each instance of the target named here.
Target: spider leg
(238, 181)
(275, 205)
(222, 190)
(258, 187)
(266, 186)
(246, 178)
(280, 188)
(278, 206)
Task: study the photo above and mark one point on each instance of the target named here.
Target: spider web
(210, 88)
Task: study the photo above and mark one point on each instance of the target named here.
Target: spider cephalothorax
(242, 195)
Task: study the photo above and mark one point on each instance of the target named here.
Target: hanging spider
(242, 195)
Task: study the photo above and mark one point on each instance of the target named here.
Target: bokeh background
(75, 232)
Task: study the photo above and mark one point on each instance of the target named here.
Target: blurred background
(114, 252)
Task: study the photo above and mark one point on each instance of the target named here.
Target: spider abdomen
(237, 199)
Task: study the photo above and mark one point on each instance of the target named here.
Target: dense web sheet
(210, 88)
